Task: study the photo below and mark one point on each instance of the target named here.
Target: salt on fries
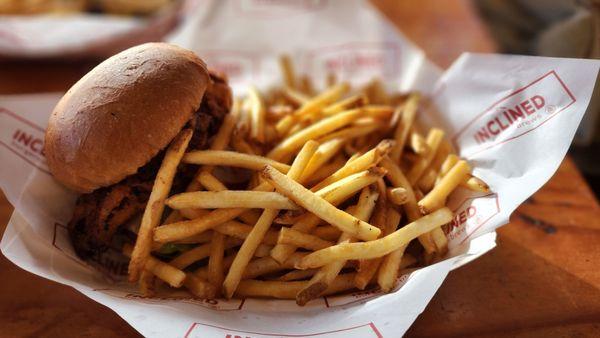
(338, 191)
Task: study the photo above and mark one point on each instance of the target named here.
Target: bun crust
(123, 113)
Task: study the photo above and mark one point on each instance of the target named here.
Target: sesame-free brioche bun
(122, 113)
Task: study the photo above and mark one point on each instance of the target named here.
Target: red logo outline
(30, 124)
(498, 210)
(386, 45)
(490, 108)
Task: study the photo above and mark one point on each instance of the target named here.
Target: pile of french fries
(301, 195)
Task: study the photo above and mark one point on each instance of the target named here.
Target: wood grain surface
(541, 280)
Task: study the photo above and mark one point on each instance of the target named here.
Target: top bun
(122, 113)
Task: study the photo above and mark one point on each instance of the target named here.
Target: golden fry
(261, 227)
(301, 240)
(326, 274)
(397, 195)
(297, 140)
(409, 111)
(309, 221)
(232, 159)
(287, 71)
(318, 206)
(257, 115)
(379, 247)
(155, 206)
(363, 162)
(437, 197)
(230, 199)
(434, 138)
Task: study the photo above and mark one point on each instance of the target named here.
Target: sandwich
(107, 136)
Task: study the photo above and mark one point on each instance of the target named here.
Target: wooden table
(541, 280)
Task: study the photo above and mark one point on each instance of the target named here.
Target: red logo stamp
(207, 330)
(26, 139)
(516, 114)
(237, 65)
(358, 61)
(276, 9)
(471, 212)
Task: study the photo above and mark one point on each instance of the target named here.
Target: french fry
(202, 272)
(338, 184)
(200, 252)
(320, 101)
(191, 214)
(318, 206)
(448, 163)
(409, 111)
(263, 250)
(155, 205)
(379, 247)
(232, 159)
(328, 232)
(257, 115)
(286, 147)
(262, 266)
(215, 260)
(351, 102)
(370, 158)
(219, 142)
(288, 290)
(368, 268)
(147, 284)
(241, 231)
(204, 237)
(166, 272)
(181, 230)
(437, 197)
(325, 171)
(230, 199)
(354, 183)
(301, 240)
(240, 145)
(173, 217)
(427, 181)
(390, 265)
(199, 287)
(418, 144)
(444, 149)
(388, 271)
(475, 184)
(287, 71)
(326, 274)
(324, 153)
(397, 178)
(297, 275)
(351, 132)
(259, 230)
(295, 97)
(284, 125)
(381, 112)
(434, 138)
(249, 216)
(375, 90)
(398, 195)
(210, 182)
(288, 217)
